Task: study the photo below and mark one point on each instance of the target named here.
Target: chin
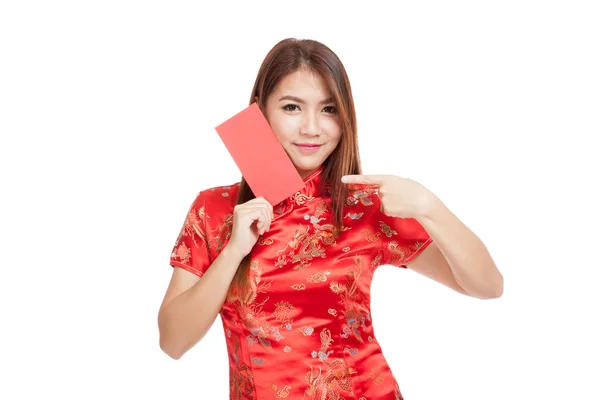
(306, 167)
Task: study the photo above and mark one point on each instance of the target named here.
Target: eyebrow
(299, 100)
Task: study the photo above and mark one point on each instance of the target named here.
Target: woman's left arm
(464, 257)
(463, 253)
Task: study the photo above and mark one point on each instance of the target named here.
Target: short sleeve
(403, 239)
(190, 251)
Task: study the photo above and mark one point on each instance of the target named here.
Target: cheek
(334, 131)
(284, 128)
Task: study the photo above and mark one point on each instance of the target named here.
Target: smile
(308, 148)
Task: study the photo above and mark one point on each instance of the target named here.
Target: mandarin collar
(313, 188)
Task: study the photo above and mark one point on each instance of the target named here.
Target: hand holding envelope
(263, 162)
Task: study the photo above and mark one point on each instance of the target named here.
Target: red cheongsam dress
(302, 329)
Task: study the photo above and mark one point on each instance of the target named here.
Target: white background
(107, 116)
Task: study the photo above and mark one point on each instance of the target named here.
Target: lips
(308, 148)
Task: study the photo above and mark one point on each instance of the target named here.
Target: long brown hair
(286, 57)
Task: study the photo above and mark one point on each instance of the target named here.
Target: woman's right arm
(191, 303)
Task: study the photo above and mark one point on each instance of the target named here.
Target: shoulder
(220, 195)
(218, 200)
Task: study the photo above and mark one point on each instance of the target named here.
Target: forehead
(304, 82)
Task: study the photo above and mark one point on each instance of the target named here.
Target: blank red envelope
(260, 157)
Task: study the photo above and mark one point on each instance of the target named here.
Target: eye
(289, 105)
(332, 108)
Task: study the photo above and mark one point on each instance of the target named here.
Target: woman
(292, 281)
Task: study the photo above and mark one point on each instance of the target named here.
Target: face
(304, 119)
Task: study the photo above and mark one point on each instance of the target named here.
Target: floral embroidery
(183, 253)
(283, 313)
(242, 381)
(300, 198)
(326, 382)
(355, 318)
(305, 246)
(257, 360)
(354, 215)
(378, 259)
(192, 227)
(320, 276)
(281, 394)
(307, 330)
(387, 230)
(353, 351)
(223, 232)
(265, 242)
(371, 237)
(398, 254)
(250, 313)
(299, 286)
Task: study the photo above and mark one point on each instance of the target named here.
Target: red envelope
(260, 157)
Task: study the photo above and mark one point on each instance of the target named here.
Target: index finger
(366, 179)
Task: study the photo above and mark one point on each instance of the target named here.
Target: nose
(310, 125)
